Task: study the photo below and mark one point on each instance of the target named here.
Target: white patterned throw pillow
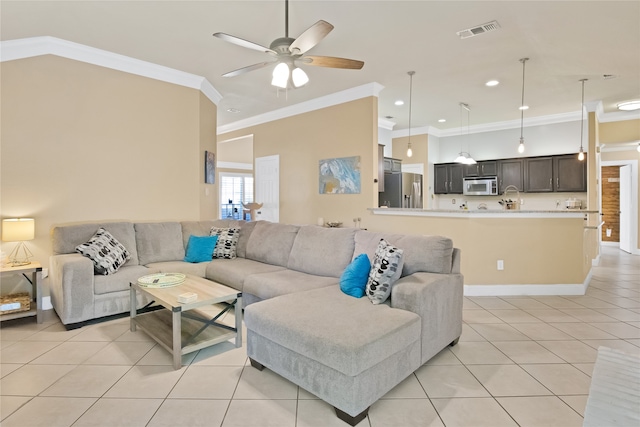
(227, 242)
(386, 268)
(107, 254)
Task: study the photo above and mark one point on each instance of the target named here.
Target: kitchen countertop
(486, 213)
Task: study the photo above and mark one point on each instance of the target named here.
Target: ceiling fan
(287, 51)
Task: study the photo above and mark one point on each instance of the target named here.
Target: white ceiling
(565, 41)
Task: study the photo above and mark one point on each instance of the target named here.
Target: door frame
(633, 215)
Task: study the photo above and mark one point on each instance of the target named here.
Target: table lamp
(18, 230)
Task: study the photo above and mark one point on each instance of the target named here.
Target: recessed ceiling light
(233, 110)
(442, 120)
(524, 107)
(492, 83)
(399, 102)
(629, 106)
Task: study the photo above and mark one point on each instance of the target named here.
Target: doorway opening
(619, 204)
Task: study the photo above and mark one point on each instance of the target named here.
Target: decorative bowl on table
(161, 280)
(334, 224)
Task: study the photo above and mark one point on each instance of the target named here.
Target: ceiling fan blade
(310, 37)
(247, 69)
(244, 43)
(332, 62)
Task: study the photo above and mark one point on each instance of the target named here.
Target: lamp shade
(18, 229)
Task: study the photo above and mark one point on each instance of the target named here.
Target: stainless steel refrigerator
(401, 190)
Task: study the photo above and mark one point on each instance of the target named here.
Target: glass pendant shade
(280, 75)
(581, 155)
(409, 151)
(521, 146)
(299, 77)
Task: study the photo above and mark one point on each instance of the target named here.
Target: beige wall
(81, 142)
(236, 151)
(301, 141)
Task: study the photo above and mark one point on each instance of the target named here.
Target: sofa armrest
(437, 299)
(71, 284)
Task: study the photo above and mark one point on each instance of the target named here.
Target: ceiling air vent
(480, 29)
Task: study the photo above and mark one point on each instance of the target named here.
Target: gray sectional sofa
(345, 350)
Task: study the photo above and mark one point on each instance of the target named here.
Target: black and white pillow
(107, 254)
(385, 270)
(227, 242)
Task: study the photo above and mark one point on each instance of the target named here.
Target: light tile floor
(521, 361)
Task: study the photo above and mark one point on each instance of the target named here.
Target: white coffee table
(182, 328)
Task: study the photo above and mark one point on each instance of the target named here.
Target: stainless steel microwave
(480, 186)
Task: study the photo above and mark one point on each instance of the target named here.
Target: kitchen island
(540, 252)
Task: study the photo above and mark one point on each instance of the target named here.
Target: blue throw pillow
(354, 278)
(200, 248)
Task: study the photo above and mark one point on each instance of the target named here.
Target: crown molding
(358, 92)
(625, 146)
(46, 45)
(386, 124)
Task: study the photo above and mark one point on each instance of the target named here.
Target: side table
(36, 281)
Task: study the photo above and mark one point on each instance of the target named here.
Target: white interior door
(625, 208)
(267, 182)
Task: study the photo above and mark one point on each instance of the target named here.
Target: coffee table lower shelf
(159, 326)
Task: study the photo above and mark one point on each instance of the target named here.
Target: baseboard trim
(526, 289)
(615, 244)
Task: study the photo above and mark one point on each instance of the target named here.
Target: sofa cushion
(322, 251)
(65, 238)
(385, 270)
(324, 328)
(245, 232)
(200, 248)
(105, 251)
(159, 241)
(282, 282)
(271, 242)
(119, 281)
(227, 242)
(233, 272)
(354, 278)
(430, 254)
(193, 268)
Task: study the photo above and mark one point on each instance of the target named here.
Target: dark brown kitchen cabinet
(380, 168)
(448, 178)
(538, 174)
(483, 168)
(510, 172)
(570, 173)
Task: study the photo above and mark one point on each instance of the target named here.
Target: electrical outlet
(500, 264)
(521, 201)
(45, 272)
(453, 201)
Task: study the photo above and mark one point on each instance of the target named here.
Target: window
(235, 189)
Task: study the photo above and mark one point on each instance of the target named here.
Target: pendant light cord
(523, 60)
(411, 73)
(582, 114)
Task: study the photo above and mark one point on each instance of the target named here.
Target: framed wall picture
(339, 176)
(209, 167)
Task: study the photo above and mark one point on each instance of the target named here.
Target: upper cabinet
(483, 168)
(510, 172)
(448, 178)
(538, 175)
(570, 173)
(555, 173)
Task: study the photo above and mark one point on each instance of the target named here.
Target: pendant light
(522, 108)
(581, 153)
(411, 73)
(464, 157)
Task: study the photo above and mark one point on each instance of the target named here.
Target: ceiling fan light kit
(287, 51)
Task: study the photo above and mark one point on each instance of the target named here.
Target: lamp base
(20, 256)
